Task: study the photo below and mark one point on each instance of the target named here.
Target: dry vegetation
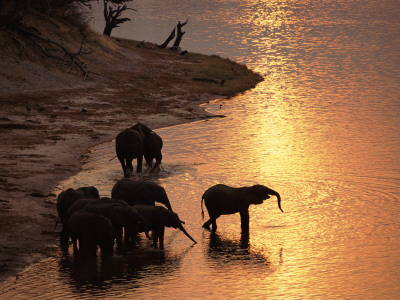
(50, 114)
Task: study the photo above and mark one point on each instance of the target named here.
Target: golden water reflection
(322, 130)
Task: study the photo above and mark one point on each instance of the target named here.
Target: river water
(322, 129)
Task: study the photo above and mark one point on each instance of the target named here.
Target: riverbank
(50, 115)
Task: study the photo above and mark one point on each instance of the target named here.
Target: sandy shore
(50, 116)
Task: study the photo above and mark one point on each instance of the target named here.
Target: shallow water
(322, 130)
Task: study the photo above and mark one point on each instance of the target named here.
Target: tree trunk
(179, 35)
(171, 36)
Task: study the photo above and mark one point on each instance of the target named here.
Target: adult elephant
(221, 199)
(90, 230)
(158, 218)
(64, 201)
(152, 150)
(140, 192)
(121, 215)
(130, 144)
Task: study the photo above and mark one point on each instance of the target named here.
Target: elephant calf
(158, 218)
(91, 230)
(221, 199)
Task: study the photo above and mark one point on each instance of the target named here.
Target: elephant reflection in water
(227, 252)
(135, 268)
(221, 199)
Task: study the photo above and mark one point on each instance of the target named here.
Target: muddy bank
(50, 116)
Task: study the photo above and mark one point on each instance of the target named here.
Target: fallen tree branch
(69, 57)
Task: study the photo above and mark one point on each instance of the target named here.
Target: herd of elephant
(93, 222)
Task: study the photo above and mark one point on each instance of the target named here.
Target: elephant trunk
(276, 194)
(187, 234)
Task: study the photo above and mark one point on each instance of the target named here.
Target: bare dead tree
(169, 38)
(179, 34)
(112, 15)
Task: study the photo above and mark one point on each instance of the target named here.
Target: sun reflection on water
(322, 130)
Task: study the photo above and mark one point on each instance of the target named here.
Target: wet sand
(49, 119)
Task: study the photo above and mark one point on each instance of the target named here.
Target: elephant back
(80, 204)
(68, 197)
(158, 215)
(137, 192)
(153, 144)
(129, 142)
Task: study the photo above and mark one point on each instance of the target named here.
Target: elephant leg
(155, 237)
(244, 218)
(212, 221)
(118, 232)
(139, 164)
(75, 246)
(129, 167)
(64, 237)
(158, 161)
(207, 224)
(214, 225)
(122, 161)
(149, 161)
(161, 237)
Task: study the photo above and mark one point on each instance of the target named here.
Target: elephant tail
(202, 211)
(113, 158)
(58, 218)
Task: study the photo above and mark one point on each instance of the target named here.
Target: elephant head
(157, 218)
(256, 194)
(140, 192)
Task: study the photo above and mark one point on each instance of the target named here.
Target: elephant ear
(256, 194)
(261, 191)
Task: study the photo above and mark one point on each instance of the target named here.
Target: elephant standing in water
(129, 144)
(158, 218)
(120, 213)
(91, 230)
(152, 150)
(65, 200)
(140, 192)
(221, 199)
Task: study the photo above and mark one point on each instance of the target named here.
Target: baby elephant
(158, 218)
(221, 199)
